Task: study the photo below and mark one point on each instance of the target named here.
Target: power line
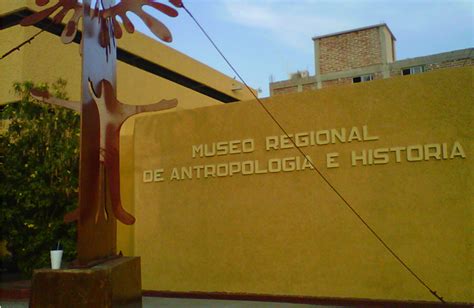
(18, 47)
(361, 219)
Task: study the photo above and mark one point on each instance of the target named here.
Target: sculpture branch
(45, 97)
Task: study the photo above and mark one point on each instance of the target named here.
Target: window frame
(411, 70)
(363, 78)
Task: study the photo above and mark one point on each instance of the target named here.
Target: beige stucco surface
(288, 233)
(389, 45)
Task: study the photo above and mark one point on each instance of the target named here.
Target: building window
(363, 78)
(412, 70)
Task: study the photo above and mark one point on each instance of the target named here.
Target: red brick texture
(349, 50)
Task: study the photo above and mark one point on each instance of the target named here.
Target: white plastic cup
(56, 257)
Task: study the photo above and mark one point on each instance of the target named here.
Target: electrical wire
(346, 203)
(18, 47)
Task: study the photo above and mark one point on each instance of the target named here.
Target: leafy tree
(39, 166)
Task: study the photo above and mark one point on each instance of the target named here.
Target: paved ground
(13, 304)
(179, 302)
(11, 287)
(150, 302)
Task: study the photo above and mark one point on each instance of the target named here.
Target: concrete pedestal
(115, 283)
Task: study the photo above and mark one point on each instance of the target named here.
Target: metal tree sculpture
(112, 12)
(102, 114)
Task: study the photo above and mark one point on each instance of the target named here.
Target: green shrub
(39, 166)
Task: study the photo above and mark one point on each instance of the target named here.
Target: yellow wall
(287, 233)
(8, 6)
(172, 59)
(12, 72)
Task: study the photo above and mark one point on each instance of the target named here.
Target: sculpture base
(115, 283)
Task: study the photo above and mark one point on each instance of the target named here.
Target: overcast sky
(264, 38)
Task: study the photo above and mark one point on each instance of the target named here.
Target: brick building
(360, 55)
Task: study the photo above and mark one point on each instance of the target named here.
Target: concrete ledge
(115, 283)
(461, 54)
(311, 300)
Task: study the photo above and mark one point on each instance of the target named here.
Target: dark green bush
(39, 166)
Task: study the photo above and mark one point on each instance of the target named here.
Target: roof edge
(13, 18)
(356, 29)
